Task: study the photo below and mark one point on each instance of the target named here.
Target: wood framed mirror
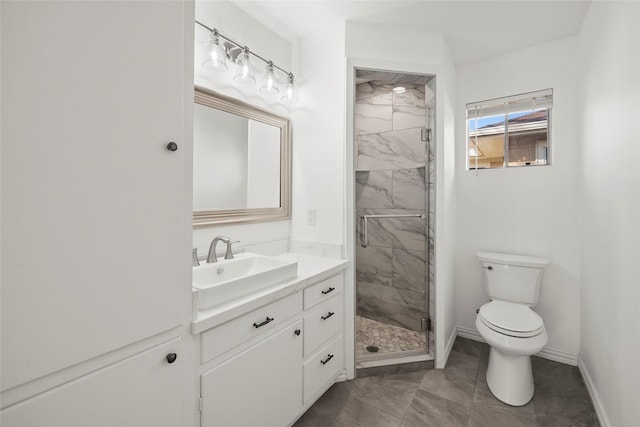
(241, 162)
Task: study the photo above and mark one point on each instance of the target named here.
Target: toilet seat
(512, 319)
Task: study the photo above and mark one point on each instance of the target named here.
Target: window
(511, 131)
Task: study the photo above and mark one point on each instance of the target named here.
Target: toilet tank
(510, 277)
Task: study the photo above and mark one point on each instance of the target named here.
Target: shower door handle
(364, 238)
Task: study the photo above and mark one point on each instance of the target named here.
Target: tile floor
(455, 396)
(387, 338)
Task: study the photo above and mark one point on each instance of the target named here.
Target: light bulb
(216, 56)
(246, 72)
(290, 91)
(269, 81)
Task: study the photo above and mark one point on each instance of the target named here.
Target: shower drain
(372, 348)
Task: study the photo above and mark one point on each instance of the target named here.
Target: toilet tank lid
(512, 259)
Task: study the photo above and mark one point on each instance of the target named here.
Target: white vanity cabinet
(261, 386)
(257, 380)
(93, 217)
(263, 368)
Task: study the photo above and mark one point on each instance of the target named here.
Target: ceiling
(472, 29)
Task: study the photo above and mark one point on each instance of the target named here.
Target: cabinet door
(139, 391)
(260, 387)
(92, 215)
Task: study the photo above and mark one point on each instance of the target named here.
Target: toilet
(508, 324)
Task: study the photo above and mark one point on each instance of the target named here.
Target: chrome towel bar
(364, 237)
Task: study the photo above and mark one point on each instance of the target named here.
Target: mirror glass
(241, 161)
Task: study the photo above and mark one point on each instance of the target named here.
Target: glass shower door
(392, 184)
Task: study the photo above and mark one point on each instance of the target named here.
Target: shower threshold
(385, 359)
(380, 344)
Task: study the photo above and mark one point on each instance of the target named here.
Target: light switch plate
(311, 216)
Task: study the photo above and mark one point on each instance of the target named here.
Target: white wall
(378, 47)
(610, 183)
(318, 138)
(446, 212)
(530, 210)
(234, 23)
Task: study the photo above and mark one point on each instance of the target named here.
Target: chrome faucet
(212, 249)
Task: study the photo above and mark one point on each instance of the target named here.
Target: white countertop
(311, 270)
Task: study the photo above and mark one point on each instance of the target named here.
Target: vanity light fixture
(221, 49)
(216, 55)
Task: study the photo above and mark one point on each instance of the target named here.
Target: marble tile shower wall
(392, 178)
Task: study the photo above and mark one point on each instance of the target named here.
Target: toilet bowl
(514, 332)
(508, 324)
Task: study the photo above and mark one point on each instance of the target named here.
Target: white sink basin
(229, 279)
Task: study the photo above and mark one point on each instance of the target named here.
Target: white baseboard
(343, 377)
(559, 356)
(471, 334)
(546, 353)
(595, 396)
(447, 350)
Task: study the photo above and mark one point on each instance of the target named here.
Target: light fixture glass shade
(216, 58)
(289, 94)
(269, 84)
(245, 74)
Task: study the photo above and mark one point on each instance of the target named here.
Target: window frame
(504, 106)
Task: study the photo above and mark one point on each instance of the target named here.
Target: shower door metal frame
(428, 141)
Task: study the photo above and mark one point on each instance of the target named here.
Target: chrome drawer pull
(324, 362)
(331, 313)
(268, 320)
(328, 290)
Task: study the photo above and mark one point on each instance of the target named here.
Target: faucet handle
(229, 254)
(194, 257)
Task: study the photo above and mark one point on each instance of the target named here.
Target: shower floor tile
(387, 338)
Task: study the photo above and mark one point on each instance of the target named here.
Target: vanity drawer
(321, 324)
(323, 290)
(322, 368)
(220, 339)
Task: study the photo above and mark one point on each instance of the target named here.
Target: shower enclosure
(394, 216)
